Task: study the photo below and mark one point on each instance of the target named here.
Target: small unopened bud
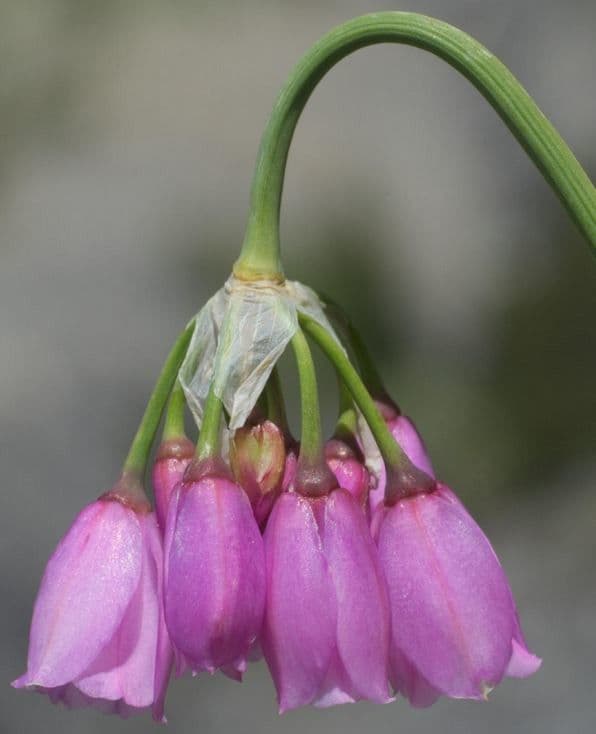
(347, 464)
(257, 459)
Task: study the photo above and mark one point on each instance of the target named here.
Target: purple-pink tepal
(326, 630)
(455, 630)
(98, 634)
(214, 572)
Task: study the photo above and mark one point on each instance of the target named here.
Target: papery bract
(455, 630)
(326, 627)
(98, 634)
(214, 574)
(172, 459)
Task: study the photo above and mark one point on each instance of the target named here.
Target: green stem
(311, 440)
(138, 455)
(208, 445)
(402, 476)
(366, 365)
(174, 421)
(390, 450)
(260, 257)
(347, 420)
(276, 407)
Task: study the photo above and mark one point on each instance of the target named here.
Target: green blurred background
(128, 132)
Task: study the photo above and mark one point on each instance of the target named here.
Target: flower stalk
(260, 255)
(138, 455)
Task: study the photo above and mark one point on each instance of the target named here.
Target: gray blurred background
(128, 133)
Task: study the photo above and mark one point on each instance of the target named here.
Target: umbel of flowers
(344, 562)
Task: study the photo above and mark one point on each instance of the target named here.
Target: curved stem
(366, 365)
(208, 445)
(173, 426)
(260, 256)
(311, 437)
(274, 398)
(138, 455)
(346, 426)
(403, 477)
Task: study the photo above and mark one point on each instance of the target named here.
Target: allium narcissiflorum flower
(326, 628)
(356, 572)
(98, 635)
(214, 573)
(455, 630)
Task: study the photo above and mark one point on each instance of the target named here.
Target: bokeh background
(128, 132)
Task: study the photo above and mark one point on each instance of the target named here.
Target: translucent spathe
(239, 335)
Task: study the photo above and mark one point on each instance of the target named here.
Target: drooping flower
(172, 459)
(326, 630)
(455, 630)
(257, 460)
(214, 572)
(98, 635)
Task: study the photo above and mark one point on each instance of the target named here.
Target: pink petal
(127, 667)
(452, 610)
(522, 663)
(215, 574)
(300, 618)
(362, 606)
(95, 568)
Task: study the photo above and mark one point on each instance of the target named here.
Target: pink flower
(326, 630)
(98, 635)
(172, 459)
(214, 573)
(455, 630)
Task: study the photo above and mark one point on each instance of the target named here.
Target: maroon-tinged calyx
(407, 481)
(175, 448)
(213, 466)
(129, 491)
(314, 478)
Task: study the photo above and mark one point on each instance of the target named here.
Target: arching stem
(260, 256)
(403, 477)
(173, 427)
(313, 477)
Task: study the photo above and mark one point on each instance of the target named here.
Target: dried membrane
(239, 335)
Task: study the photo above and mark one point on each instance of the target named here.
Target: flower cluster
(345, 563)
(349, 591)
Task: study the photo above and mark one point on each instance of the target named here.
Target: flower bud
(173, 456)
(257, 459)
(326, 630)
(98, 634)
(214, 572)
(348, 468)
(455, 630)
